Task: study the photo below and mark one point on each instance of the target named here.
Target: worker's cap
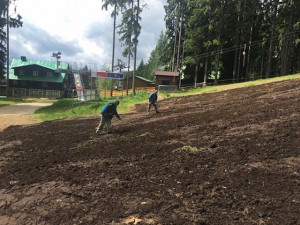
(155, 91)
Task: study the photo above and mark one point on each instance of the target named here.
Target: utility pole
(180, 71)
(121, 66)
(57, 56)
(175, 43)
(179, 42)
(7, 50)
(127, 78)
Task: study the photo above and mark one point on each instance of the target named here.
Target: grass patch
(66, 108)
(128, 102)
(63, 108)
(194, 150)
(186, 149)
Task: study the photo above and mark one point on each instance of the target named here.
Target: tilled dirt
(225, 158)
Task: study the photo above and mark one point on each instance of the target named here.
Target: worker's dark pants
(149, 106)
(103, 121)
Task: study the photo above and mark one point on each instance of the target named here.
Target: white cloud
(81, 30)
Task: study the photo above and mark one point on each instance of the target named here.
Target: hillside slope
(225, 158)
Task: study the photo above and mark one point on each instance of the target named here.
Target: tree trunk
(239, 74)
(237, 40)
(7, 51)
(182, 55)
(128, 73)
(239, 64)
(196, 74)
(113, 52)
(205, 72)
(249, 54)
(179, 42)
(218, 57)
(174, 49)
(271, 47)
(287, 40)
(135, 47)
(262, 61)
(217, 64)
(129, 50)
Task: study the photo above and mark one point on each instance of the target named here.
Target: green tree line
(235, 40)
(7, 21)
(223, 40)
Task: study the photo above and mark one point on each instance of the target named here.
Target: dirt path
(20, 114)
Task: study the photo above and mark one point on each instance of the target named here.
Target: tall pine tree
(12, 22)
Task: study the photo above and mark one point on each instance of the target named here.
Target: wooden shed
(166, 78)
(139, 82)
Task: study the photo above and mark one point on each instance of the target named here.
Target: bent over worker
(108, 112)
(152, 101)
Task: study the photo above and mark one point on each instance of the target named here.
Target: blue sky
(80, 30)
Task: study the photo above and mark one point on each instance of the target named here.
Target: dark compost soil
(231, 157)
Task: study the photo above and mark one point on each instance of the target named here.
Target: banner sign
(78, 85)
(110, 75)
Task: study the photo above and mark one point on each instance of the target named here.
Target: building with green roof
(39, 78)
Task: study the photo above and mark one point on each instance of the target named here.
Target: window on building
(52, 94)
(35, 73)
(15, 92)
(23, 92)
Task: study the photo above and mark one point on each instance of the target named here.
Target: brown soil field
(231, 157)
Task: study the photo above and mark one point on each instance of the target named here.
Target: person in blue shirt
(152, 101)
(108, 112)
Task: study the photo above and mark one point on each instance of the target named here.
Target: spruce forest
(228, 40)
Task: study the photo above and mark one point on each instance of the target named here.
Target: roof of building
(47, 64)
(142, 78)
(166, 73)
(17, 63)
